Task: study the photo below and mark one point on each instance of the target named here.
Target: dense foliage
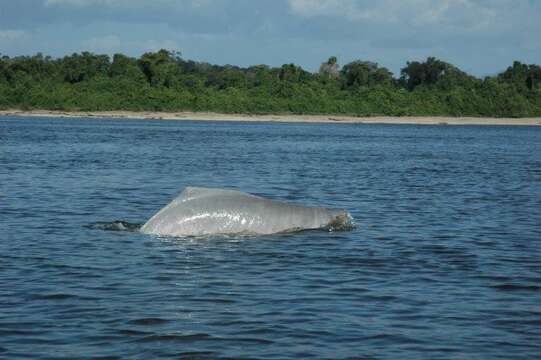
(165, 81)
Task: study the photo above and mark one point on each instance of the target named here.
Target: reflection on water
(443, 263)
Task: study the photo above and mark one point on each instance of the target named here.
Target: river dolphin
(202, 211)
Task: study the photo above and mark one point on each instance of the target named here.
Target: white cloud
(130, 3)
(311, 8)
(200, 3)
(464, 14)
(76, 2)
(106, 43)
(10, 35)
(155, 45)
(467, 13)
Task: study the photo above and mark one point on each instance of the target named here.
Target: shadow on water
(344, 223)
(117, 225)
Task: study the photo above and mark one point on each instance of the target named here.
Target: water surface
(445, 261)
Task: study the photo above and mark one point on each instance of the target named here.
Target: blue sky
(482, 37)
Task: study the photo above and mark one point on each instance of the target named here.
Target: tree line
(165, 81)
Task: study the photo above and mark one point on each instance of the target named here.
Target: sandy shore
(422, 120)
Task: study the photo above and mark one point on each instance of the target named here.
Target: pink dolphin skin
(202, 211)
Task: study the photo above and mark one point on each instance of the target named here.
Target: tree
(293, 73)
(160, 67)
(522, 76)
(330, 68)
(364, 73)
(164, 81)
(84, 66)
(431, 72)
(258, 75)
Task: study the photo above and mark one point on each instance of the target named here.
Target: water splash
(343, 222)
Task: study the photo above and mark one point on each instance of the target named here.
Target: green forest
(165, 81)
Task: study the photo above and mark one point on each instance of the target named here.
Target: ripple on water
(148, 321)
(444, 262)
(517, 288)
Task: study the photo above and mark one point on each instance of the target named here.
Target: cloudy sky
(482, 37)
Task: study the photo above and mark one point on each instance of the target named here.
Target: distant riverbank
(210, 116)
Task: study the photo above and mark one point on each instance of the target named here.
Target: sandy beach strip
(288, 118)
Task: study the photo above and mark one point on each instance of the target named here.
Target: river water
(444, 261)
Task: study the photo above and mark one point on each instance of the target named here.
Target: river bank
(208, 116)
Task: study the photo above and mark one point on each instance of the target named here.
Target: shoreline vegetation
(163, 84)
(288, 118)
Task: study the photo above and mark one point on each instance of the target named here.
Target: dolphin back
(202, 211)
